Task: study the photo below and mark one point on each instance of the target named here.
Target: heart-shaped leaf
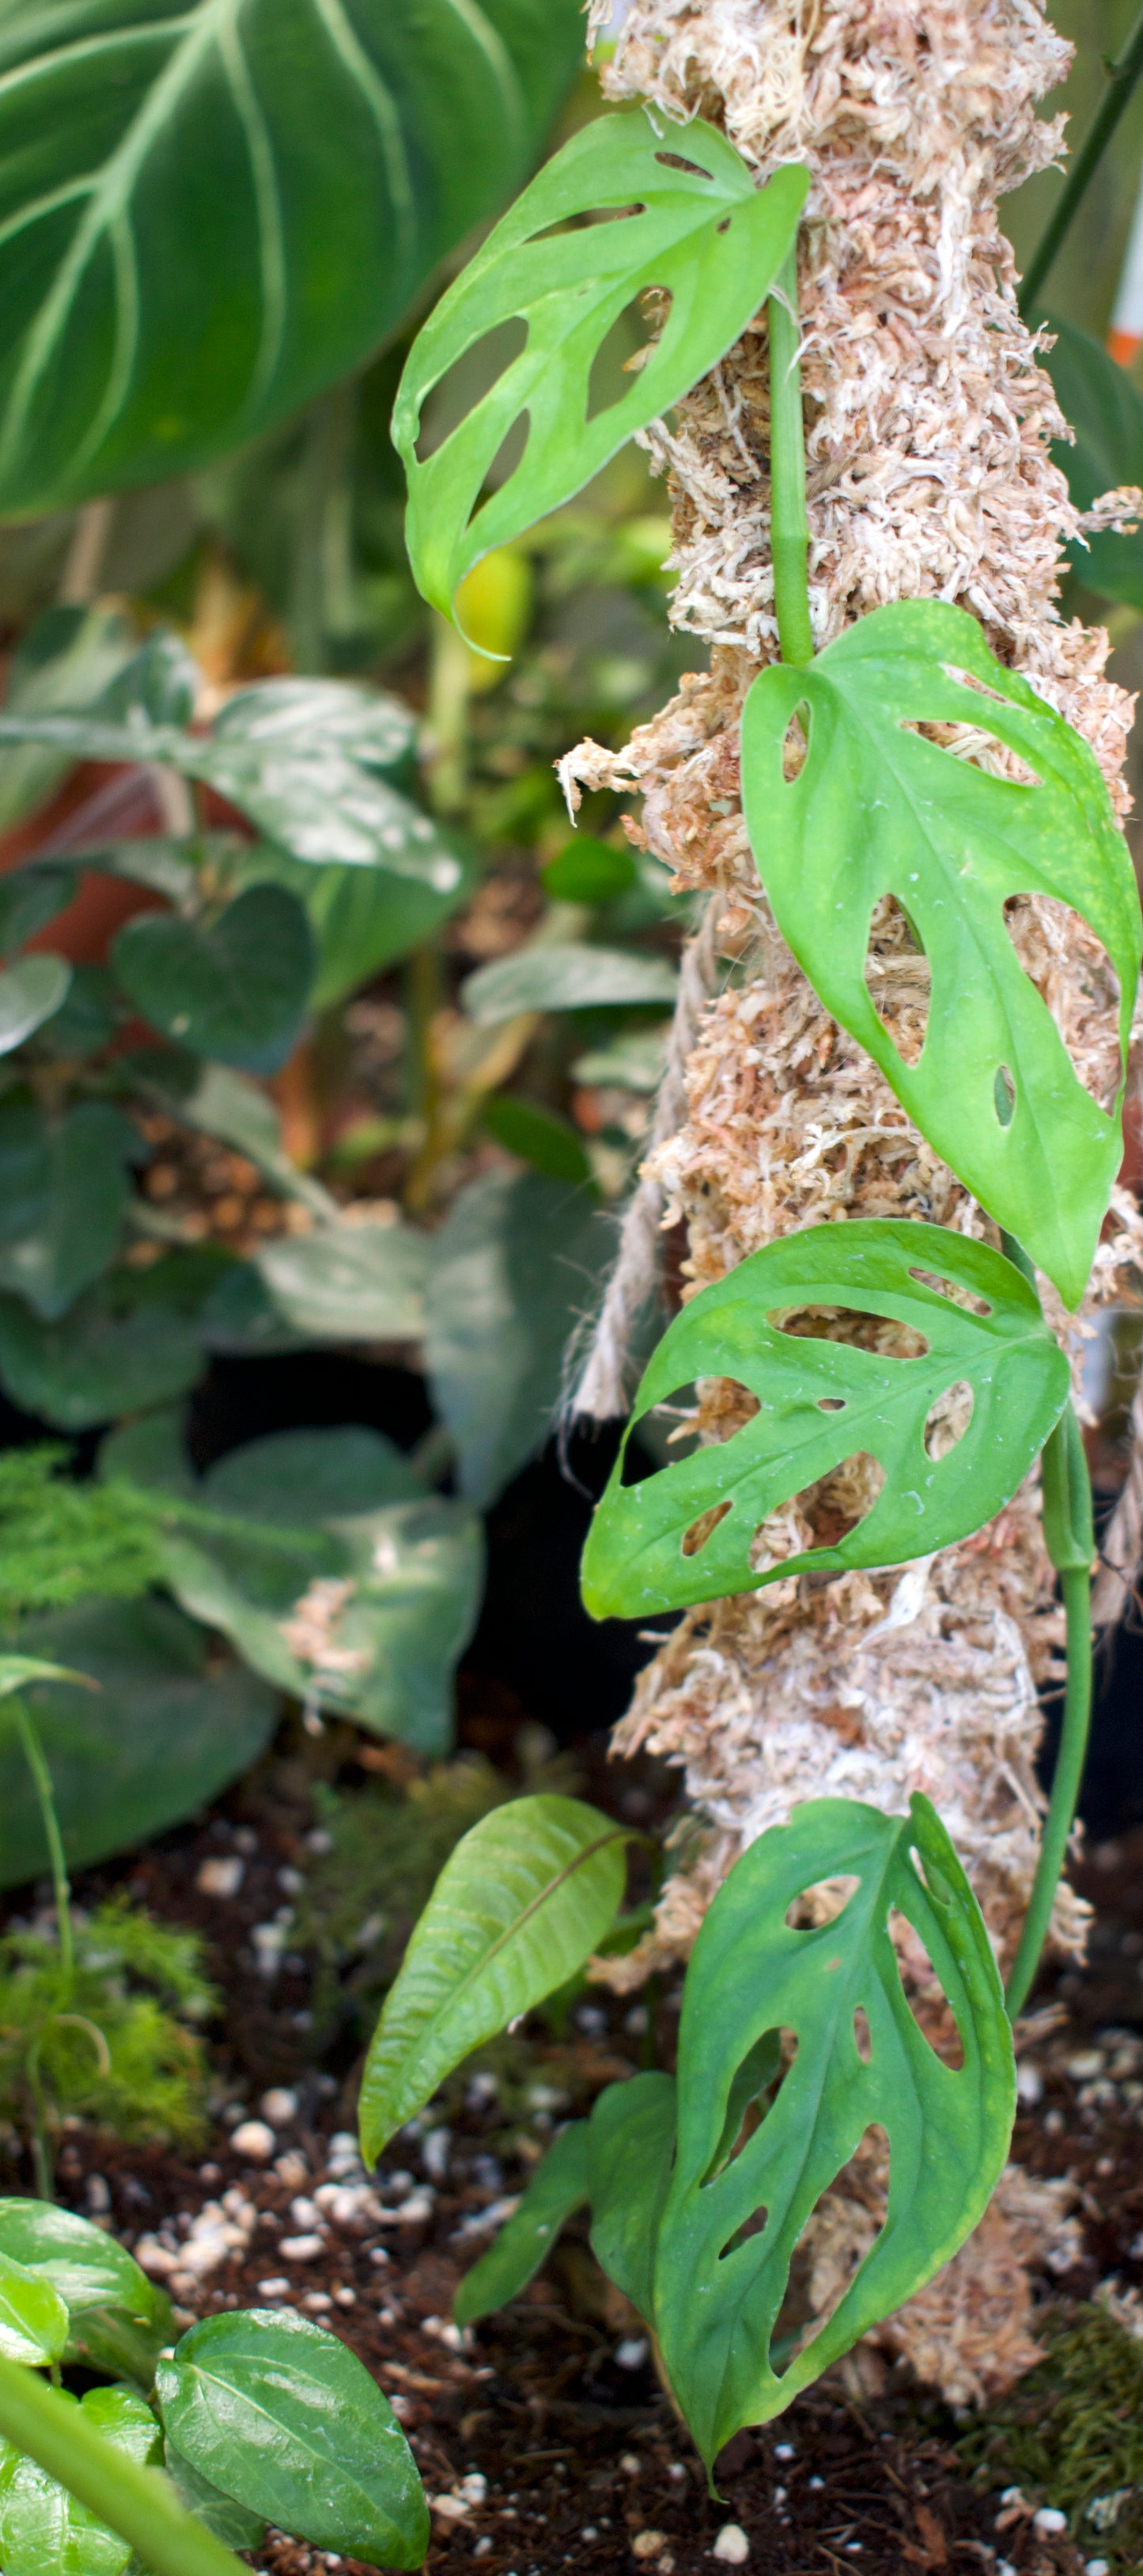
(362, 918)
(245, 218)
(572, 977)
(31, 992)
(691, 223)
(283, 2417)
(1102, 405)
(45, 2531)
(235, 988)
(132, 1339)
(33, 2318)
(718, 2291)
(522, 1902)
(118, 2319)
(557, 2188)
(515, 1259)
(878, 809)
(63, 1189)
(821, 1402)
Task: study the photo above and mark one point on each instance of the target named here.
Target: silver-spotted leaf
(524, 1899)
(719, 2289)
(877, 808)
(687, 219)
(823, 1402)
(557, 2188)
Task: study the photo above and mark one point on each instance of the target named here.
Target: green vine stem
(61, 1886)
(789, 526)
(1122, 75)
(133, 2501)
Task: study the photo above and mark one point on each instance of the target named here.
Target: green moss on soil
(1070, 2434)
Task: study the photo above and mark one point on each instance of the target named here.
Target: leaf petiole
(789, 526)
(134, 2501)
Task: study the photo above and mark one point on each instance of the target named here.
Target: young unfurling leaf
(685, 219)
(822, 1402)
(878, 809)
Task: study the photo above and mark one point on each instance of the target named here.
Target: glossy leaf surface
(520, 1905)
(212, 212)
(118, 2319)
(33, 2318)
(44, 2531)
(232, 2523)
(234, 988)
(162, 1736)
(572, 977)
(558, 2186)
(877, 809)
(1104, 408)
(691, 222)
(63, 1190)
(512, 1265)
(283, 2417)
(821, 1402)
(717, 2293)
(631, 2150)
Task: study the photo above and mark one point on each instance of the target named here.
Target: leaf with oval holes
(821, 1402)
(877, 809)
(281, 2416)
(522, 1902)
(44, 2530)
(718, 2290)
(691, 223)
(118, 2320)
(558, 2187)
(210, 213)
(235, 988)
(33, 2318)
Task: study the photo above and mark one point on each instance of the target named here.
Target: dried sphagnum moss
(928, 426)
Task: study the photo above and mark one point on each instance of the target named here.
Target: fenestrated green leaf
(1103, 407)
(517, 1909)
(132, 1339)
(515, 1261)
(162, 1736)
(821, 1402)
(692, 224)
(571, 977)
(63, 1189)
(235, 988)
(631, 2146)
(118, 2319)
(33, 2318)
(44, 2531)
(209, 215)
(363, 918)
(718, 2293)
(31, 992)
(877, 809)
(280, 2415)
(558, 2186)
(350, 1283)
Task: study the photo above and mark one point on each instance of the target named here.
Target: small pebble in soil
(732, 2545)
(1049, 2521)
(220, 1877)
(277, 2288)
(632, 2353)
(783, 2450)
(279, 2107)
(252, 2138)
(1097, 2567)
(648, 2544)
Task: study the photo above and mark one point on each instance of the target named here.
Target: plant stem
(134, 2501)
(1122, 75)
(789, 526)
(37, 1765)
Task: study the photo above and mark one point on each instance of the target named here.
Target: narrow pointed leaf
(517, 1909)
(570, 977)
(821, 1402)
(630, 2158)
(691, 222)
(558, 2187)
(878, 809)
(718, 2293)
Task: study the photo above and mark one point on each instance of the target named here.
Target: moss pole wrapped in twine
(928, 424)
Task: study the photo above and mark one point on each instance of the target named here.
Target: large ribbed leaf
(687, 1533)
(878, 809)
(210, 209)
(692, 223)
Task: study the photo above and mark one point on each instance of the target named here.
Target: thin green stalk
(1122, 75)
(789, 526)
(37, 1765)
(134, 2501)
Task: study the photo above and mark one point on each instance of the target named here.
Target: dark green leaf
(362, 918)
(133, 1339)
(30, 897)
(522, 1902)
(513, 1264)
(877, 808)
(163, 1735)
(241, 1320)
(536, 1136)
(284, 2418)
(589, 872)
(694, 224)
(31, 992)
(558, 2187)
(630, 2154)
(359, 1283)
(235, 988)
(231, 2523)
(717, 2292)
(1103, 407)
(44, 2531)
(572, 977)
(85, 1019)
(33, 2318)
(118, 2319)
(821, 1402)
(208, 217)
(63, 1189)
